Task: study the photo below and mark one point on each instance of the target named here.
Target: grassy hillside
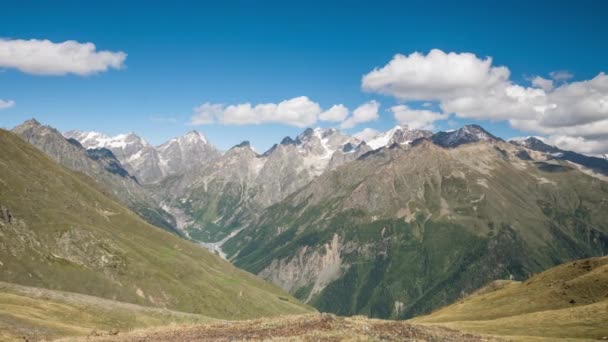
(406, 230)
(58, 231)
(568, 301)
(99, 164)
(37, 313)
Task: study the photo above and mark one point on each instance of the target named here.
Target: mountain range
(409, 228)
(391, 227)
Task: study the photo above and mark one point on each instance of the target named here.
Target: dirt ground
(314, 327)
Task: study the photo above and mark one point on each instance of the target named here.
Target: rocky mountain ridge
(406, 229)
(595, 164)
(151, 164)
(101, 165)
(222, 192)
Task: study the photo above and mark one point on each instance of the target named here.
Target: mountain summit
(595, 164)
(397, 135)
(465, 135)
(151, 164)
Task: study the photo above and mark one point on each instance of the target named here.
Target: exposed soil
(316, 327)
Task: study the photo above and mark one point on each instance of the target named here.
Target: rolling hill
(568, 301)
(35, 313)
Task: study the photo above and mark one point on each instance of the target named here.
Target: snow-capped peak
(187, 140)
(400, 134)
(99, 140)
(465, 135)
(194, 137)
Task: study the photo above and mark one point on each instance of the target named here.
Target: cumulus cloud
(5, 104)
(561, 75)
(471, 87)
(366, 134)
(206, 114)
(299, 111)
(336, 113)
(435, 76)
(415, 118)
(364, 113)
(579, 144)
(43, 57)
(542, 83)
(577, 103)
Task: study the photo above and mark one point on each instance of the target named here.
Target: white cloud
(299, 111)
(366, 134)
(416, 119)
(435, 76)
(336, 113)
(6, 104)
(502, 102)
(471, 87)
(542, 83)
(577, 103)
(206, 113)
(579, 144)
(43, 57)
(561, 75)
(364, 113)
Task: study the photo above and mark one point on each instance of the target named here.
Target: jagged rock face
(109, 161)
(294, 163)
(215, 197)
(151, 164)
(421, 224)
(536, 145)
(348, 153)
(397, 135)
(181, 154)
(139, 157)
(101, 165)
(316, 266)
(232, 190)
(50, 141)
(465, 135)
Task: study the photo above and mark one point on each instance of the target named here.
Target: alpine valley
(392, 227)
(320, 171)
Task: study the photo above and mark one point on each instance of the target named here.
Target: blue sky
(183, 54)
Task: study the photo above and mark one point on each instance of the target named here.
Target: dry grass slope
(30, 313)
(569, 301)
(313, 327)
